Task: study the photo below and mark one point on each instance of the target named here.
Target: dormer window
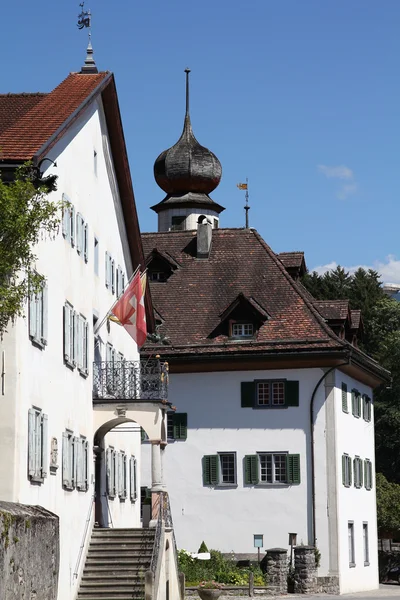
(158, 276)
(242, 330)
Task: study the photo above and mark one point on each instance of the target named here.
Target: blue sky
(300, 96)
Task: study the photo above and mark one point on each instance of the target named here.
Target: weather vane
(84, 18)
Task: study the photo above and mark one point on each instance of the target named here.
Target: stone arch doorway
(102, 509)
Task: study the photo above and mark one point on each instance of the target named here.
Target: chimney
(204, 236)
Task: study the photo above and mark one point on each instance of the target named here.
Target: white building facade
(57, 412)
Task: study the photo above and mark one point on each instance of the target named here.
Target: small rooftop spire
(187, 71)
(90, 65)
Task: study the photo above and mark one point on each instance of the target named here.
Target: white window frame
(69, 460)
(356, 404)
(37, 445)
(367, 408)
(274, 461)
(350, 534)
(96, 254)
(270, 385)
(68, 221)
(221, 455)
(239, 330)
(80, 233)
(133, 478)
(38, 317)
(122, 475)
(69, 335)
(81, 335)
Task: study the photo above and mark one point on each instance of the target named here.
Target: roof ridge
(307, 302)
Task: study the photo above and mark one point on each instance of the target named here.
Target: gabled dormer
(160, 266)
(294, 263)
(242, 319)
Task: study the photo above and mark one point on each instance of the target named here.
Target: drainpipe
(313, 535)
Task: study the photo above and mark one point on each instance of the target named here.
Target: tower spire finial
(85, 20)
(187, 71)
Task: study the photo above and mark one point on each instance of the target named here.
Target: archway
(103, 516)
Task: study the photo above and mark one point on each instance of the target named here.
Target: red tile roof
(14, 106)
(337, 310)
(291, 259)
(198, 292)
(22, 137)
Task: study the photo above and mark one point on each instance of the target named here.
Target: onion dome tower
(187, 173)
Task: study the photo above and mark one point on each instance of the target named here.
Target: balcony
(130, 381)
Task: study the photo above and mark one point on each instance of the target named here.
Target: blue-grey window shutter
(45, 314)
(344, 397)
(72, 226)
(113, 276)
(31, 442)
(45, 445)
(32, 316)
(107, 270)
(86, 465)
(109, 470)
(65, 460)
(86, 242)
(86, 347)
(67, 343)
(75, 336)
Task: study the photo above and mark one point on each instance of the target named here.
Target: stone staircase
(115, 565)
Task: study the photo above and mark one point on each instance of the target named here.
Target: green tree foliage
(26, 216)
(388, 504)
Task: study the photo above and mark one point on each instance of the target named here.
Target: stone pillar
(277, 570)
(157, 484)
(305, 571)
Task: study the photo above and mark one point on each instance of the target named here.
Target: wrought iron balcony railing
(130, 380)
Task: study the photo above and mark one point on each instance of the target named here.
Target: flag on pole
(130, 310)
(242, 186)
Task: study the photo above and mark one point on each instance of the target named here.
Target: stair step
(121, 542)
(138, 596)
(115, 560)
(122, 531)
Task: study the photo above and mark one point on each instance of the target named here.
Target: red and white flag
(130, 310)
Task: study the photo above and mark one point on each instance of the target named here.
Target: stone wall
(29, 553)
(276, 562)
(305, 570)
(327, 585)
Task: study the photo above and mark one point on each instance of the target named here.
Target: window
(122, 475)
(272, 468)
(110, 273)
(358, 472)
(82, 464)
(120, 281)
(352, 560)
(178, 223)
(80, 233)
(158, 276)
(68, 221)
(356, 403)
(37, 445)
(111, 472)
(365, 544)
(368, 474)
(242, 329)
(367, 408)
(269, 394)
(133, 478)
(345, 407)
(95, 162)
(69, 460)
(176, 426)
(38, 316)
(96, 256)
(215, 223)
(346, 470)
(76, 334)
(219, 469)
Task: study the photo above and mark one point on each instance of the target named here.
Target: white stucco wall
(355, 437)
(227, 517)
(39, 378)
(192, 215)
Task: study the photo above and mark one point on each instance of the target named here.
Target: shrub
(203, 548)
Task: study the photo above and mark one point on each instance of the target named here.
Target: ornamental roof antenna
(85, 21)
(187, 172)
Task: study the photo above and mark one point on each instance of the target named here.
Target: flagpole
(100, 325)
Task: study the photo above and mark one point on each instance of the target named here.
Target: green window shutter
(343, 469)
(248, 394)
(345, 408)
(293, 468)
(251, 469)
(292, 393)
(180, 426)
(210, 469)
